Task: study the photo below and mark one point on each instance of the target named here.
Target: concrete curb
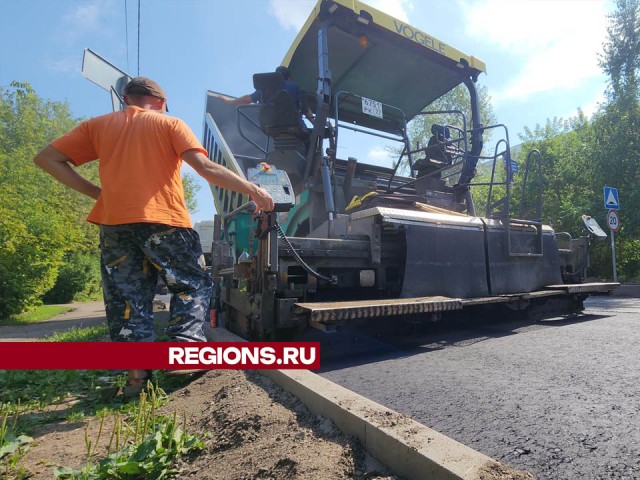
(405, 446)
(627, 291)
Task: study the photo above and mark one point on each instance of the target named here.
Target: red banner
(159, 356)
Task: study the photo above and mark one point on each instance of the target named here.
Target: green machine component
(356, 241)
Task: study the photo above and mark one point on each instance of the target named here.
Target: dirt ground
(257, 431)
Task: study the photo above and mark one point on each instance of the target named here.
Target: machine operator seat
(278, 113)
(280, 120)
(439, 152)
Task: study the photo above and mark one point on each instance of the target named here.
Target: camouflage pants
(132, 257)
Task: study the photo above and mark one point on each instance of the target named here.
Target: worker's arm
(304, 107)
(243, 100)
(225, 178)
(57, 164)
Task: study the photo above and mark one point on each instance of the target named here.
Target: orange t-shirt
(139, 152)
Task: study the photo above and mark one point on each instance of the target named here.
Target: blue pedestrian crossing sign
(611, 201)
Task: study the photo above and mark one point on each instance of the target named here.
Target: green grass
(26, 395)
(87, 334)
(31, 390)
(142, 444)
(43, 312)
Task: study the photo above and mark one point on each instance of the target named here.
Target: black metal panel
(521, 274)
(326, 248)
(443, 260)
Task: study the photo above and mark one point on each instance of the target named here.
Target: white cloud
(558, 41)
(69, 64)
(399, 9)
(380, 155)
(86, 18)
(291, 14)
(79, 22)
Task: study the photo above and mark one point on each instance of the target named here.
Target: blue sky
(541, 55)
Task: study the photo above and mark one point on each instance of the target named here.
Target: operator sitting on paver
(292, 88)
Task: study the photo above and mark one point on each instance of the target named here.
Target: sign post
(614, 225)
(612, 203)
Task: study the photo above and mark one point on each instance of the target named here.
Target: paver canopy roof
(378, 57)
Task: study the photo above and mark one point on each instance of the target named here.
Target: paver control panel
(276, 182)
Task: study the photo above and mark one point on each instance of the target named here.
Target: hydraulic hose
(333, 280)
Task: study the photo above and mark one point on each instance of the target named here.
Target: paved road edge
(405, 446)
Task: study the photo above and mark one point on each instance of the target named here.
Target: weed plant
(12, 446)
(141, 445)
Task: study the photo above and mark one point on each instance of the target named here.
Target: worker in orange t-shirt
(145, 228)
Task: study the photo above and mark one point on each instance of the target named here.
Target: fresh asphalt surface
(559, 398)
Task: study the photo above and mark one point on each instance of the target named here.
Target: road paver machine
(354, 240)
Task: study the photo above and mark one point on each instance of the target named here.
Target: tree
(39, 218)
(616, 128)
(621, 58)
(567, 189)
(191, 187)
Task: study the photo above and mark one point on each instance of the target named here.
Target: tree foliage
(40, 220)
(78, 279)
(567, 189)
(191, 187)
(582, 155)
(621, 57)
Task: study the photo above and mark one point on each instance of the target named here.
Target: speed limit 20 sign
(613, 221)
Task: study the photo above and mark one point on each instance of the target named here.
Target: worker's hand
(263, 199)
(310, 116)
